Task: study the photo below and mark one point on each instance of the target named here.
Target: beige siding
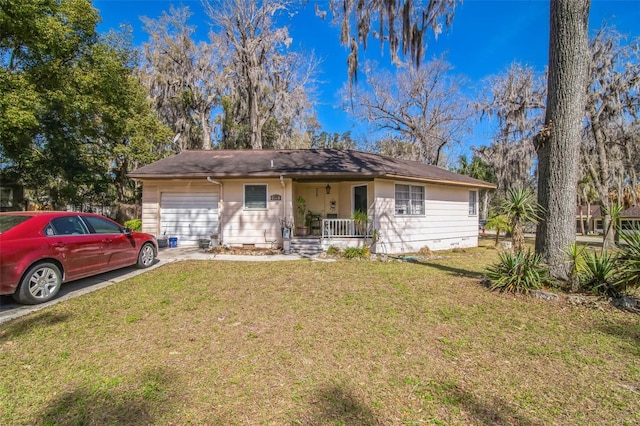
(238, 225)
(316, 197)
(445, 225)
(150, 208)
(259, 227)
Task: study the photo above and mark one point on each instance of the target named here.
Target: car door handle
(107, 241)
(58, 244)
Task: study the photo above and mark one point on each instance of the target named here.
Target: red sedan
(41, 250)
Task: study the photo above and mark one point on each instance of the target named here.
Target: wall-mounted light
(328, 189)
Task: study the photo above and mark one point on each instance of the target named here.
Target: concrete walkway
(9, 309)
(194, 253)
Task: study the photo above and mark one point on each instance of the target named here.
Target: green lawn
(316, 343)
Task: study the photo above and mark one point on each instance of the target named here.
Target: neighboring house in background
(245, 198)
(11, 193)
(630, 219)
(591, 218)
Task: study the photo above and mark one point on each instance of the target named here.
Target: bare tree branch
(422, 106)
(515, 100)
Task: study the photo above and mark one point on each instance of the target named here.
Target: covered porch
(333, 209)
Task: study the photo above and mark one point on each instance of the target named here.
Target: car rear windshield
(8, 222)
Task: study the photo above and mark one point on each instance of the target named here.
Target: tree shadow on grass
(458, 272)
(494, 411)
(112, 403)
(85, 407)
(30, 323)
(335, 404)
(628, 332)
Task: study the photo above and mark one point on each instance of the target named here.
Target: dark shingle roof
(631, 212)
(595, 211)
(297, 164)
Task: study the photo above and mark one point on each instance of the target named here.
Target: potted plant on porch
(360, 222)
(301, 219)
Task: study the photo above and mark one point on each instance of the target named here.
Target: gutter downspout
(284, 199)
(286, 244)
(221, 208)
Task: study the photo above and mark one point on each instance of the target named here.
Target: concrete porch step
(306, 245)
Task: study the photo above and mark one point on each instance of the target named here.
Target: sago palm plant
(600, 275)
(520, 207)
(576, 264)
(498, 222)
(518, 272)
(628, 261)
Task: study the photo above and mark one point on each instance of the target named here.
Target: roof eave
(270, 174)
(276, 174)
(483, 185)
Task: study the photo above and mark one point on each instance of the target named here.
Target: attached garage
(189, 216)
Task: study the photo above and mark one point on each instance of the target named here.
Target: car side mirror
(127, 231)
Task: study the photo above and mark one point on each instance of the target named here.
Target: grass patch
(319, 343)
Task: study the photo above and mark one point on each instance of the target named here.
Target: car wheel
(40, 284)
(146, 256)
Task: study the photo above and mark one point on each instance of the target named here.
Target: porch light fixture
(328, 189)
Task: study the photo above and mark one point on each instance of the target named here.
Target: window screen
(409, 200)
(473, 205)
(255, 196)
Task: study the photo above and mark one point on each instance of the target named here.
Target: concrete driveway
(9, 309)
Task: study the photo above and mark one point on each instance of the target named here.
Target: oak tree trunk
(206, 129)
(558, 143)
(255, 132)
(485, 197)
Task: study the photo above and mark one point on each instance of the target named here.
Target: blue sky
(486, 37)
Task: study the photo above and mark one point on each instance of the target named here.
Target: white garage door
(189, 216)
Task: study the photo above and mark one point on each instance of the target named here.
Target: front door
(360, 198)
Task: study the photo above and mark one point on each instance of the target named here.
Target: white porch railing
(346, 228)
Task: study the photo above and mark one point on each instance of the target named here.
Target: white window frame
(473, 204)
(411, 202)
(266, 196)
